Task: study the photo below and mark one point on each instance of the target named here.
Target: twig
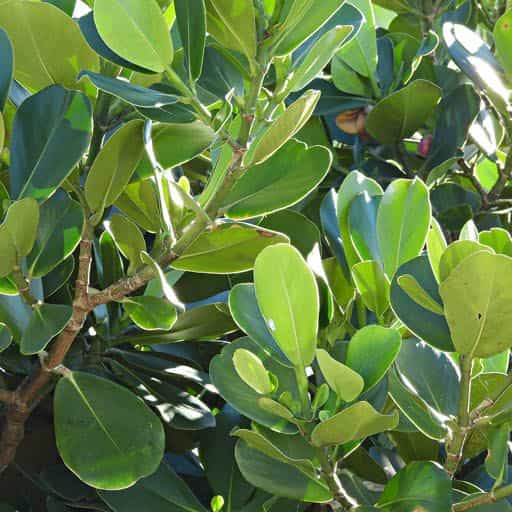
(484, 499)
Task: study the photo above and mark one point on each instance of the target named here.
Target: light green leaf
(373, 285)
(496, 462)
(356, 422)
(319, 56)
(410, 286)
(233, 25)
(129, 240)
(105, 435)
(287, 295)
(497, 239)
(18, 233)
(347, 384)
(503, 41)
(58, 233)
(400, 114)
(112, 169)
(274, 408)
(252, 371)
(41, 60)
(51, 132)
(150, 313)
(477, 304)
(46, 321)
(469, 231)
(281, 181)
(436, 245)
(231, 248)
(403, 221)
(457, 252)
(283, 128)
(191, 20)
(136, 31)
(371, 352)
(162, 491)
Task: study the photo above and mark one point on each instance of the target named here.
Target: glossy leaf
(128, 238)
(46, 321)
(371, 352)
(356, 422)
(436, 244)
(403, 221)
(455, 253)
(114, 166)
(59, 231)
(51, 132)
(282, 180)
(251, 370)
(6, 76)
(287, 295)
(150, 313)
(135, 31)
(105, 434)
(363, 226)
(373, 285)
(41, 60)
(414, 290)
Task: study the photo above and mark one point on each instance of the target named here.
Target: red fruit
(424, 146)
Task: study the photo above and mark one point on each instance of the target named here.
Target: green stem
(484, 499)
(455, 445)
(303, 385)
(23, 286)
(100, 127)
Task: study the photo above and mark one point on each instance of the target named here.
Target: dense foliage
(255, 255)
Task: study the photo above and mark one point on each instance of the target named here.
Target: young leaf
(347, 384)
(251, 370)
(112, 169)
(356, 422)
(150, 313)
(230, 248)
(287, 295)
(373, 285)
(105, 434)
(455, 253)
(51, 132)
(136, 31)
(283, 128)
(129, 240)
(412, 288)
(191, 19)
(403, 221)
(371, 352)
(40, 60)
(233, 25)
(400, 114)
(477, 301)
(436, 245)
(46, 321)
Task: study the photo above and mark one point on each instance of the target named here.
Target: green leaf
(114, 166)
(354, 184)
(436, 245)
(191, 20)
(318, 56)
(426, 325)
(503, 41)
(241, 396)
(5, 337)
(150, 313)
(498, 239)
(246, 313)
(230, 248)
(129, 240)
(275, 408)
(6, 75)
(162, 491)
(400, 114)
(105, 434)
(363, 226)
(371, 352)
(136, 31)
(496, 462)
(455, 253)
(51, 132)
(233, 25)
(130, 93)
(59, 231)
(287, 295)
(46, 321)
(41, 60)
(476, 297)
(18, 233)
(419, 484)
(403, 221)
(356, 422)
(251, 370)
(281, 181)
(278, 477)
(283, 128)
(347, 384)
(412, 288)
(373, 285)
